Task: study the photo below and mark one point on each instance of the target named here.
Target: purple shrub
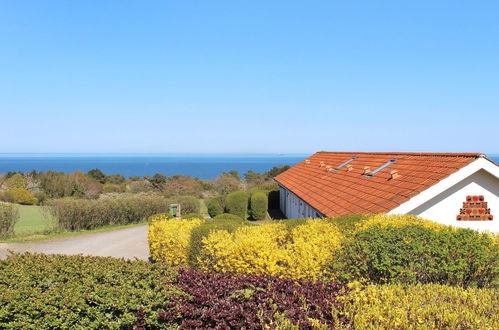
(220, 301)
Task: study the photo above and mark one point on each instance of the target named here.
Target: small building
(458, 189)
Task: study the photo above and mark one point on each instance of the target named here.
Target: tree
(97, 175)
(16, 181)
(157, 181)
(181, 185)
(227, 183)
(276, 170)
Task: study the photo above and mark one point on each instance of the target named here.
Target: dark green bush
(216, 206)
(188, 204)
(415, 254)
(237, 203)
(68, 292)
(224, 221)
(259, 205)
(79, 214)
(193, 216)
(9, 215)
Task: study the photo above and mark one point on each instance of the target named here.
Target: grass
(32, 220)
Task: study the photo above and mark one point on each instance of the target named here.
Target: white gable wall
(444, 207)
(293, 207)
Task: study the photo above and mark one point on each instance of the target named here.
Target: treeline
(37, 187)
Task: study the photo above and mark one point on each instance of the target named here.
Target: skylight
(345, 163)
(391, 161)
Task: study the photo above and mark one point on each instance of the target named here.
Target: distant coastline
(202, 166)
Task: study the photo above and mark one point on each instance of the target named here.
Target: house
(459, 189)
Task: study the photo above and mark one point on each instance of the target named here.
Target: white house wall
(293, 207)
(444, 207)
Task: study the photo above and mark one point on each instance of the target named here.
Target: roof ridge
(437, 154)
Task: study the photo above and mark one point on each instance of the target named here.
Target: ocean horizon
(202, 166)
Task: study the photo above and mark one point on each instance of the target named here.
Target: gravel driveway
(126, 243)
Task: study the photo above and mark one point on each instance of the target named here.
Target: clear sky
(249, 76)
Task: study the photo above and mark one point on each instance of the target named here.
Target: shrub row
(79, 214)
(345, 249)
(9, 215)
(221, 301)
(241, 204)
(188, 204)
(76, 292)
(65, 292)
(427, 306)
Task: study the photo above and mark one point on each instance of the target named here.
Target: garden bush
(258, 205)
(228, 216)
(216, 206)
(221, 301)
(188, 204)
(227, 222)
(77, 292)
(193, 216)
(237, 203)
(169, 240)
(79, 214)
(9, 215)
(272, 249)
(417, 254)
(20, 196)
(428, 306)
(396, 220)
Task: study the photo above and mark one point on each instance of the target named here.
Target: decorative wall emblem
(475, 209)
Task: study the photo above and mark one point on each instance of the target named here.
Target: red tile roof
(341, 192)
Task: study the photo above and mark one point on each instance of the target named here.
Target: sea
(202, 166)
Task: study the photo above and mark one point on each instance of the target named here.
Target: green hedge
(9, 215)
(228, 216)
(259, 204)
(68, 292)
(215, 206)
(80, 214)
(415, 254)
(237, 203)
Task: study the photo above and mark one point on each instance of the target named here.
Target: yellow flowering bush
(428, 306)
(159, 217)
(170, 240)
(272, 249)
(397, 220)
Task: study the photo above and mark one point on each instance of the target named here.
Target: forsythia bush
(428, 306)
(272, 249)
(170, 240)
(397, 220)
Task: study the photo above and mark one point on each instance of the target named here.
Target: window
(371, 174)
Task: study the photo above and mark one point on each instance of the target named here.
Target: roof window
(391, 161)
(345, 163)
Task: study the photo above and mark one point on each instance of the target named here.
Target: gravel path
(126, 243)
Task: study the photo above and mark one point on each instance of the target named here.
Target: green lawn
(32, 220)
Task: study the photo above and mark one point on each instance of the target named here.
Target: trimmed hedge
(417, 254)
(215, 206)
(228, 216)
(237, 203)
(80, 214)
(222, 301)
(9, 215)
(259, 205)
(193, 216)
(428, 306)
(68, 292)
(226, 222)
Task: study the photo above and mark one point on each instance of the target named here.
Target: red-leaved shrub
(222, 301)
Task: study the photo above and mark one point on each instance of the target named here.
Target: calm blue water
(200, 166)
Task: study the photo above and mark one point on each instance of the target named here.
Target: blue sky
(249, 76)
